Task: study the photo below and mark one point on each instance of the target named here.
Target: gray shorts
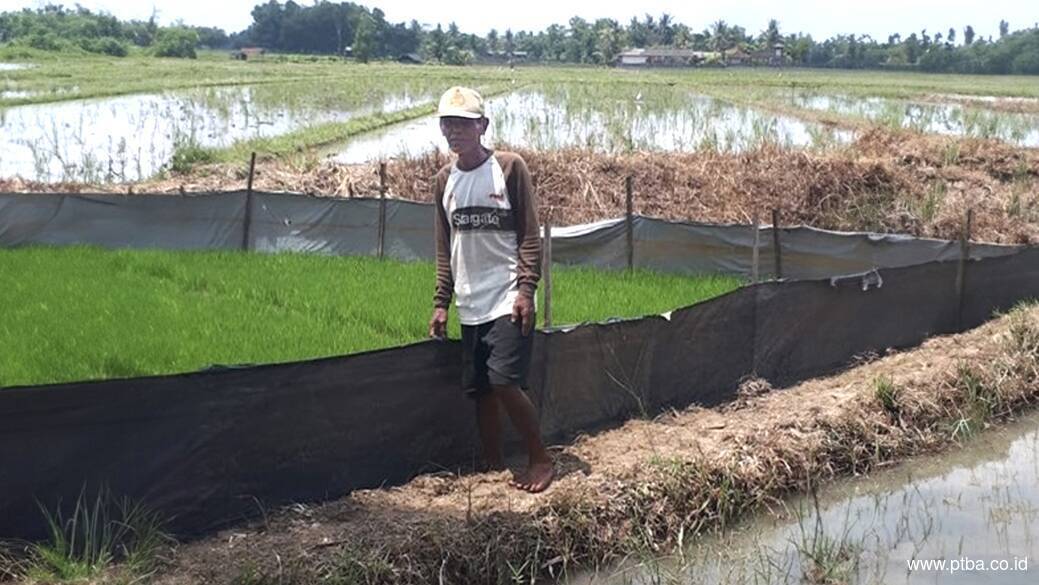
(495, 353)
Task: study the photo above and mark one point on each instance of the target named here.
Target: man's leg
(489, 421)
(540, 470)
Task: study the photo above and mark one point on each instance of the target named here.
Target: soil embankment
(646, 486)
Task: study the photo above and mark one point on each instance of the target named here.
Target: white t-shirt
(484, 254)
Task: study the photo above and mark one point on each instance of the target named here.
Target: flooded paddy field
(54, 127)
(957, 116)
(606, 119)
(133, 137)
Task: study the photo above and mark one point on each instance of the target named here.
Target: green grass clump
(100, 532)
(888, 394)
(81, 313)
(188, 154)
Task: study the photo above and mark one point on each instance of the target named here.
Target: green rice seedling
(888, 394)
(97, 314)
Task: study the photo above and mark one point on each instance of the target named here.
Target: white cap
(461, 102)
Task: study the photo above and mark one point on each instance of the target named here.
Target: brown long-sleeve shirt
(488, 243)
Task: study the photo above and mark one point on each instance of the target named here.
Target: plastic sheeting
(299, 223)
(210, 448)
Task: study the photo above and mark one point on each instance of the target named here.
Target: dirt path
(640, 486)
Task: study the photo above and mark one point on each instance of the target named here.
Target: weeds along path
(645, 486)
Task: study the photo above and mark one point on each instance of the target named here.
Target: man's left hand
(523, 313)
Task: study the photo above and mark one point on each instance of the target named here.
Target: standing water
(963, 517)
(614, 121)
(1018, 128)
(133, 137)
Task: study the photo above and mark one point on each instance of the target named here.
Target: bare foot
(520, 480)
(538, 477)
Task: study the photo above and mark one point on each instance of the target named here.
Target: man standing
(489, 256)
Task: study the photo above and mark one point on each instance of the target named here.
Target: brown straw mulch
(886, 181)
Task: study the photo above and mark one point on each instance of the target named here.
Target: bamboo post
(755, 256)
(776, 246)
(546, 267)
(629, 220)
(248, 219)
(961, 271)
(382, 209)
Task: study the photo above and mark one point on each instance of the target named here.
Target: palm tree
(771, 34)
(667, 32)
(719, 36)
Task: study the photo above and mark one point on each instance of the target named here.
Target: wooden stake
(755, 257)
(382, 209)
(248, 220)
(961, 271)
(776, 247)
(629, 220)
(546, 267)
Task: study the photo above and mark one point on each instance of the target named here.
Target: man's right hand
(438, 324)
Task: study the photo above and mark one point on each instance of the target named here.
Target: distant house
(410, 59)
(773, 56)
(504, 57)
(247, 53)
(664, 57)
(736, 56)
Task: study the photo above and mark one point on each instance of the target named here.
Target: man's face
(462, 134)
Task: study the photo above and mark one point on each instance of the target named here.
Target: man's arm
(445, 283)
(528, 233)
(528, 241)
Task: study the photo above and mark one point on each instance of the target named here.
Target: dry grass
(889, 181)
(642, 488)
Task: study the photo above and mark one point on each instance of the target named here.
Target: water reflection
(569, 116)
(133, 137)
(976, 505)
(954, 119)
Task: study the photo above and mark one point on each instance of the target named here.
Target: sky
(820, 18)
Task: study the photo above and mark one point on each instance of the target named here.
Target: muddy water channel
(975, 509)
(133, 137)
(1020, 128)
(607, 119)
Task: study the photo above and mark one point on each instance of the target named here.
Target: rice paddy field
(104, 120)
(82, 313)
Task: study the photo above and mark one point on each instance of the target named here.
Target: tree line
(346, 28)
(56, 28)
